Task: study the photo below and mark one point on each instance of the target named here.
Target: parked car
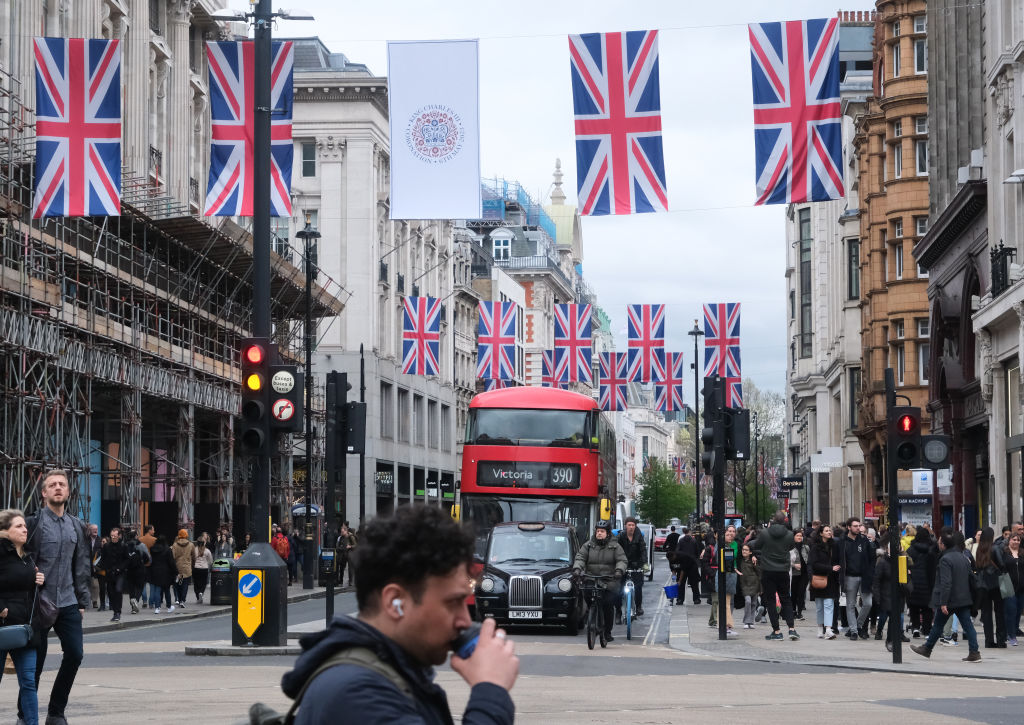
(527, 576)
(659, 539)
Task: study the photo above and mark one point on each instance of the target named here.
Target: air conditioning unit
(1016, 272)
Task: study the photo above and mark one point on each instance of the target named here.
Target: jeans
(964, 615)
(157, 593)
(921, 617)
(688, 571)
(25, 665)
(798, 592)
(777, 582)
(890, 636)
(1012, 609)
(200, 577)
(608, 599)
(116, 593)
(825, 609)
(69, 631)
(748, 610)
(181, 589)
(851, 585)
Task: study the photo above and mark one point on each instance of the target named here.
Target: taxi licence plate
(513, 614)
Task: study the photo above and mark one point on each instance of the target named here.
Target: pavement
(689, 632)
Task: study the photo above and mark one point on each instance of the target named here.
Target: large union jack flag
(646, 342)
(613, 381)
(496, 341)
(232, 73)
(572, 343)
(421, 336)
(668, 394)
(78, 127)
(620, 164)
(797, 126)
(498, 384)
(722, 340)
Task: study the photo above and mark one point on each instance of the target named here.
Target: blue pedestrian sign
(250, 585)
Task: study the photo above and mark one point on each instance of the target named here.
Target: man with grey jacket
(603, 556)
(59, 544)
(951, 595)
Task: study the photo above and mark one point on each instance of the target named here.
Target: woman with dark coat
(18, 581)
(162, 573)
(989, 566)
(115, 560)
(922, 579)
(798, 573)
(823, 560)
(881, 592)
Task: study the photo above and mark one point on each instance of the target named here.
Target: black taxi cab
(527, 576)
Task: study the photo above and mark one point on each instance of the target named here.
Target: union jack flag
(230, 188)
(620, 164)
(492, 384)
(548, 377)
(668, 394)
(797, 125)
(78, 127)
(572, 343)
(679, 466)
(646, 342)
(421, 336)
(722, 340)
(613, 381)
(496, 341)
(734, 389)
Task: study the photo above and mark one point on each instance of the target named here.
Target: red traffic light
(254, 354)
(907, 424)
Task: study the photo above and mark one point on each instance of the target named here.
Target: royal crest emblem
(435, 134)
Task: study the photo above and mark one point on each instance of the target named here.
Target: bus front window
(505, 426)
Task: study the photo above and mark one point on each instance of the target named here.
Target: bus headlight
(487, 584)
(565, 585)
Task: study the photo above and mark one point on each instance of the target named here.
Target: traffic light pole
(713, 462)
(696, 333)
(895, 603)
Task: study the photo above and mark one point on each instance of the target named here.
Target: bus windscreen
(519, 427)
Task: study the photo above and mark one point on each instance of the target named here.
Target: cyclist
(631, 539)
(602, 556)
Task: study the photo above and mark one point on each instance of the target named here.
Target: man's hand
(3, 614)
(647, 568)
(40, 578)
(493, 660)
(835, 568)
(945, 610)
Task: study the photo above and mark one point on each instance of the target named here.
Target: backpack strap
(361, 657)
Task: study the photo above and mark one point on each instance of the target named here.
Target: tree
(660, 497)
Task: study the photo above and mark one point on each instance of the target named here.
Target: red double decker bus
(536, 454)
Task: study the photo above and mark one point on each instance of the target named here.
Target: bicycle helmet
(606, 525)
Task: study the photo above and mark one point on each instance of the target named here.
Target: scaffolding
(119, 341)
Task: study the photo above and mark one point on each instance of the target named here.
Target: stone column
(85, 19)
(179, 101)
(135, 128)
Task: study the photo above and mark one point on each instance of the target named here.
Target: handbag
(16, 636)
(1006, 586)
(819, 581)
(44, 611)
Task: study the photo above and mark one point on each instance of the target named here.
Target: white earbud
(397, 604)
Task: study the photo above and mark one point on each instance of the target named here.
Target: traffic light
(355, 427)
(935, 450)
(737, 434)
(287, 398)
(255, 433)
(905, 436)
(712, 435)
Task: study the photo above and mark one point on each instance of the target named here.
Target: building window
(502, 249)
(922, 327)
(897, 127)
(854, 392)
(920, 23)
(922, 272)
(898, 328)
(901, 364)
(896, 29)
(309, 159)
(279, 236)
(920, 124)
(924, 353)
(419, 423)
(898, 250)
(921, 148)
(387, 411)
(897, 228)
(432, 429)
(792, 305)
(446, 427)
(853, 269)
(805, 283)
(897, 161)
(920, 57)
(403, 415)
(896, 60)
(920, 225)
(885, 266)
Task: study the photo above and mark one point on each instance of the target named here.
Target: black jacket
(881, 587)
(856, 556)
(114, 558)
(81, 567)
(636, 550)
(687, 550)
(820, 561)
(952, 582)
(368, 698)
(163, 570)
(17, 586)
(922, 573)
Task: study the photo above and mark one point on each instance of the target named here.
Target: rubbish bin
(222, 585)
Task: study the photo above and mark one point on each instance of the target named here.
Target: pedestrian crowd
(54, 567)
(846, 573)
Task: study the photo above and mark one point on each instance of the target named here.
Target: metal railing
(1001, 257)
(400, 286)
(382, 274)
(536, 262)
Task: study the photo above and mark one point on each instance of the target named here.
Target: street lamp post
(696, 333)
(308, 235)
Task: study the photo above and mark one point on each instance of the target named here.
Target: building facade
(892, 147)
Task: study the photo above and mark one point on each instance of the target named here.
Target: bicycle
(629, 601)
(593, 591)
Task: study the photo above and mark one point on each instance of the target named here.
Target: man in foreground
(412, 581)
(951, 596)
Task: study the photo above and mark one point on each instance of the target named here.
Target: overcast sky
(713, 245)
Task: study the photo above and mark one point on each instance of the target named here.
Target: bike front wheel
(627, 612)
(591, 627)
